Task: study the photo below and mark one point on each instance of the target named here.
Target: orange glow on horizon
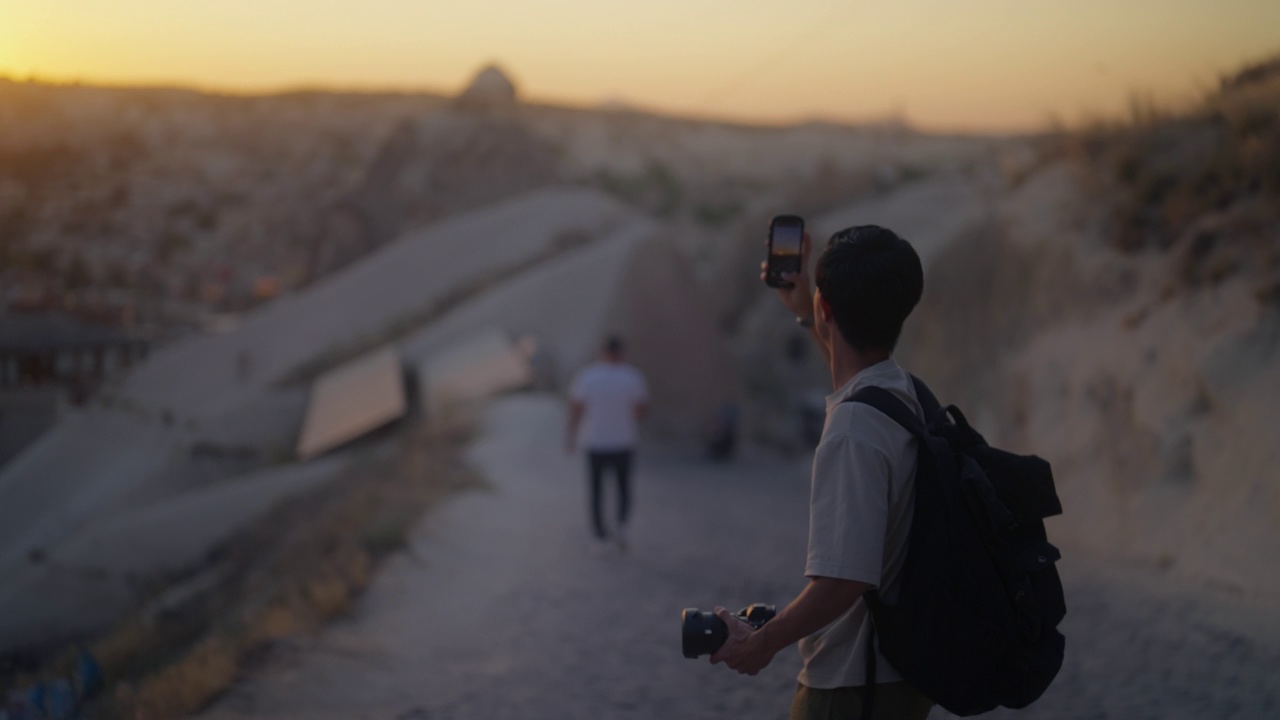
(991, 65)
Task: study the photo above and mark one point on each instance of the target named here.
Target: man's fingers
(719, 655)
(737, 628)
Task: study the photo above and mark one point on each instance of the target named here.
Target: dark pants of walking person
(619, 463)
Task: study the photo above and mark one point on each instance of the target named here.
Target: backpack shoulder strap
(885, 402)
(928, 401)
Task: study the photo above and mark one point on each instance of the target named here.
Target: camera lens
(701, 633)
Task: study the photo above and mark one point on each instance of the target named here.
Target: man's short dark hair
(873, 280)
(613, 344)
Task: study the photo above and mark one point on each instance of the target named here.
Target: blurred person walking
(606, 400)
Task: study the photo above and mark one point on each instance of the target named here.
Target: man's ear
(822, 306)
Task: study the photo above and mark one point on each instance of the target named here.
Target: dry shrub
(188, 684)
(1238, 242)
(1165, 169)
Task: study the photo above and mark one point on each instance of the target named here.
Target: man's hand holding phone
(799, 297)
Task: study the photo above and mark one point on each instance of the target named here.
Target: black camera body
(702, 633)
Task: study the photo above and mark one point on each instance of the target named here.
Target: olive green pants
(893, 701)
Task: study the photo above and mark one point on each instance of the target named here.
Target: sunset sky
(943, 64)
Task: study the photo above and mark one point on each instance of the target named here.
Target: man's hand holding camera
(744, 649)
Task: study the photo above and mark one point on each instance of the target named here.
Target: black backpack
(975, 625)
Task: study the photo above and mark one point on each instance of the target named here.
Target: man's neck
(847, 362)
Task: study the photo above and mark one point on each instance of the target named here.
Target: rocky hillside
(167, 206)
(1118, 311)
(169, 200)
(1108, 298)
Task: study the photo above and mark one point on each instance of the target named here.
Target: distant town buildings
(160, 208)
(61, 349)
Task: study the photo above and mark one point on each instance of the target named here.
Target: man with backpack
(930, 576)
(860, 509)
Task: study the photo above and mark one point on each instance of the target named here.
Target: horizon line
(623, 105)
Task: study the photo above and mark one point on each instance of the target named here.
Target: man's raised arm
(799, 297)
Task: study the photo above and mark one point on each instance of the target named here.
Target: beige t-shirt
(859, 519)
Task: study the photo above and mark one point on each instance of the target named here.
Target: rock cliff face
(1152, 373)
(1117, 311)
(190, 434)
(1146, 376)
(478, 152)
(1113, 306)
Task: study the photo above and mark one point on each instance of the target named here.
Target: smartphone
(786, 233)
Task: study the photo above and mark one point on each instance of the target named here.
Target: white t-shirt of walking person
(609, 393)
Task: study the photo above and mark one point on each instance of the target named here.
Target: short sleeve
(848, 510)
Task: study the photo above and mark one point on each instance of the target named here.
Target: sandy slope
(117, 495)
(1158, 432)
(135, 451)
(931, 213)
(631, 282)
(105, 453)
(1152, 394)
(406, 277)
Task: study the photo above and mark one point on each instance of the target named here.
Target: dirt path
(1141, 644)
(501, 610)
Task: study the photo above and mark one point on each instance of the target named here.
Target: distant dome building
(490, 90)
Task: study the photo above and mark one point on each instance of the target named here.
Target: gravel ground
(503, 608)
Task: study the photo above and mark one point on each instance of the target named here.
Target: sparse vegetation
(714, 213)
(656, 189)
(1176, 166)
(300, 566)
(1201, 183)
